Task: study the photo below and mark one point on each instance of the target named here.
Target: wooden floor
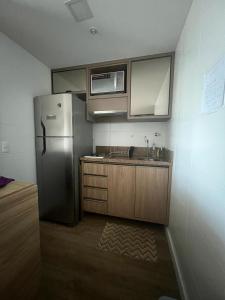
(73, 267)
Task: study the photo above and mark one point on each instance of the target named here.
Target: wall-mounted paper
(214, 88)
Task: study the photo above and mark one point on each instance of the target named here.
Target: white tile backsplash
(130, 134)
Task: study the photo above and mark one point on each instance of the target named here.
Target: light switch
(5, 147)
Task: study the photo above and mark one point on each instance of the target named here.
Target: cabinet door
(152, 194)
(72, 80)
(121, 191)
(150, 87)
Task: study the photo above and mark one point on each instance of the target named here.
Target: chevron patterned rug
(133, 241)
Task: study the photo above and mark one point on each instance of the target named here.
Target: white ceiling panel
(126, 28)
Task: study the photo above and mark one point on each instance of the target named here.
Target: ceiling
(126, 28)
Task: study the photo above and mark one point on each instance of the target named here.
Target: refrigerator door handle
(43, 128)
(44, 146)
(44, 138)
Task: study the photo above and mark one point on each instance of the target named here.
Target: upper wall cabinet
(134, 89)
(69, 81)
(150, 93)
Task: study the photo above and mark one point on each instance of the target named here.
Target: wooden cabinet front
(121, 190)
(95, 187)
(133, 192)
(19, 242)
(95, 206)
(152, 194)
(95, 181)
(95, 169)
(95, 193)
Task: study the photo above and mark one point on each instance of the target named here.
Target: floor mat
(134, 241)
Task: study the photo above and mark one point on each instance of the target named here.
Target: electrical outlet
(5, 147)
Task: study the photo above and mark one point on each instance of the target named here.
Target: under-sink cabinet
(152, 194)
(127, 191)
(121, 190)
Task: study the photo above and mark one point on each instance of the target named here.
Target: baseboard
(183, 290)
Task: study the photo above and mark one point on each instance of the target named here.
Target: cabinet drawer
(95, 169)
(95, 193)
(95, 206)
(95, 181)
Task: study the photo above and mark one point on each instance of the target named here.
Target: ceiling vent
(79, 9)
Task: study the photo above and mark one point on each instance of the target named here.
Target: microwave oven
(106, 83)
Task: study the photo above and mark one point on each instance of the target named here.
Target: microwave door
(104, 83)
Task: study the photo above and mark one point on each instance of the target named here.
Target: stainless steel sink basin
(148, 158)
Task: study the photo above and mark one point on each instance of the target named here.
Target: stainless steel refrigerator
(62, 136)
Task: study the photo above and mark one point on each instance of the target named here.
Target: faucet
(147, 146)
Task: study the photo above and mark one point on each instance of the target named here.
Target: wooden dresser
(19, 242)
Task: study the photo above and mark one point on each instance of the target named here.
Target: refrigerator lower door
(55, 178)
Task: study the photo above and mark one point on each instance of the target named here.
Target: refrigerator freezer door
(56, 179)
(53, 115)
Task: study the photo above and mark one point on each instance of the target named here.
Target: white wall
(197, 221)
(129, 134)
(21, 78)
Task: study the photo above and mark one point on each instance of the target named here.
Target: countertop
(14, 187)
(128, 161)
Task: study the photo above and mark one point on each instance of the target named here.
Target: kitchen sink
(148, 158)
